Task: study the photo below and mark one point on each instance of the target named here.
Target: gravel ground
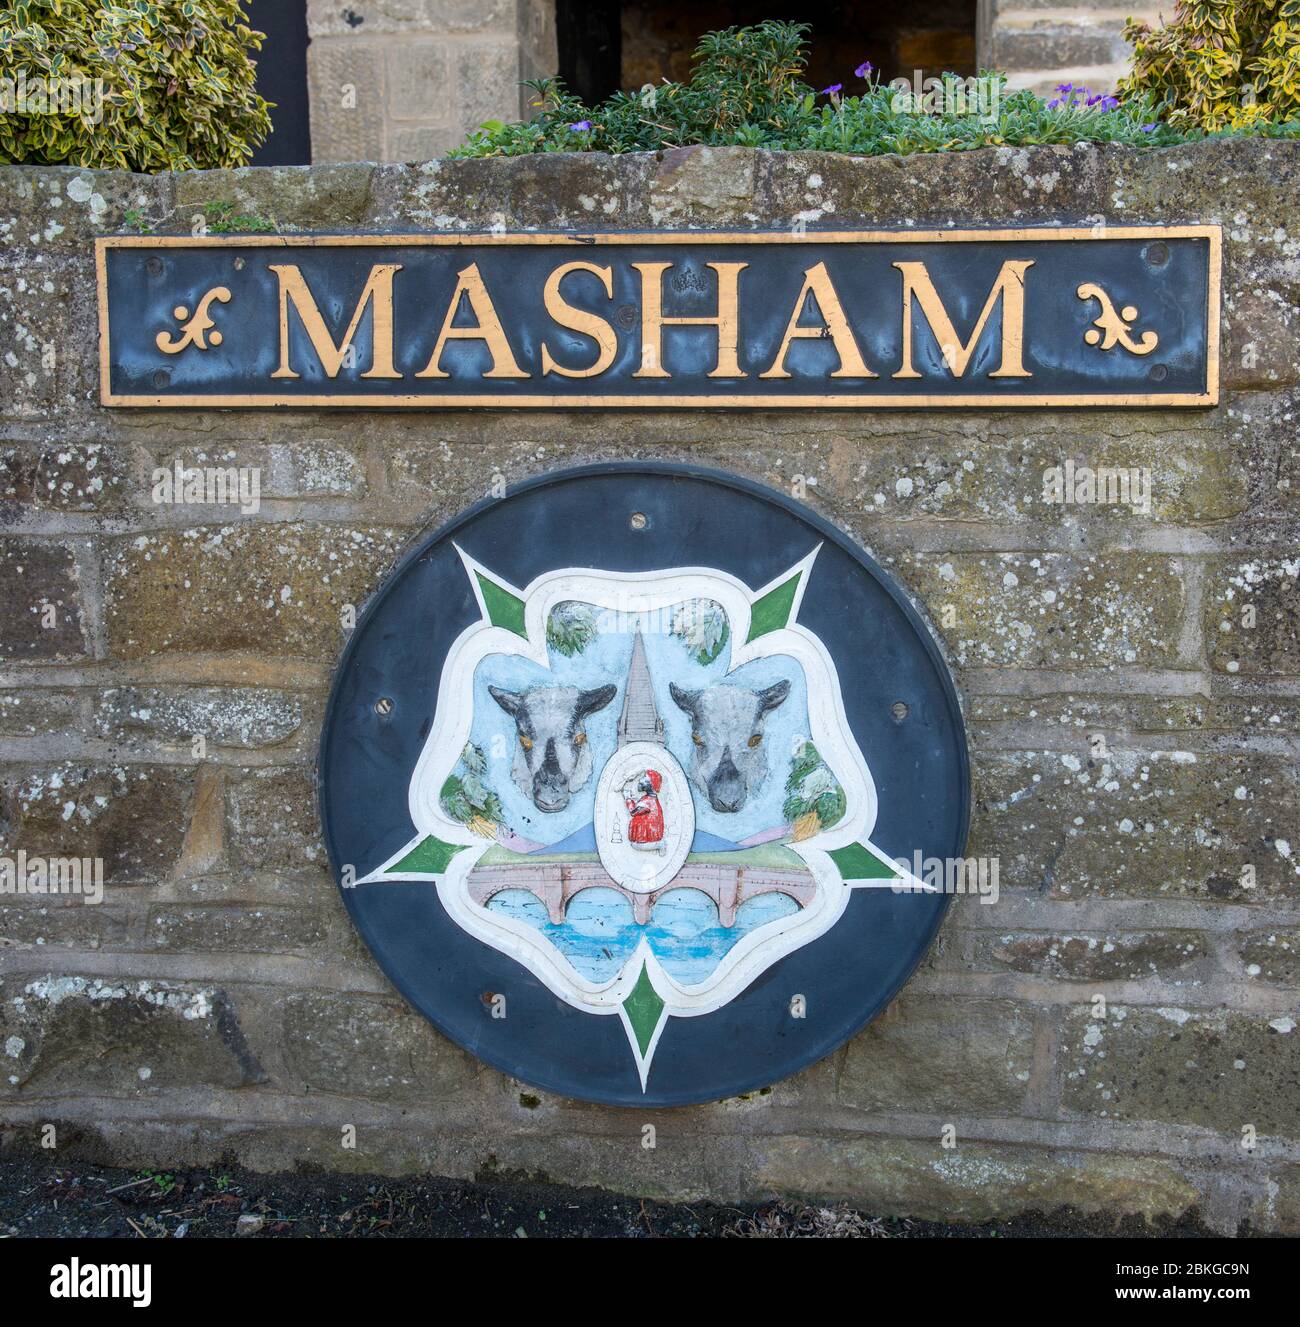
(38, 1198)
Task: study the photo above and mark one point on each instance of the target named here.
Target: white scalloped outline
(643, 592)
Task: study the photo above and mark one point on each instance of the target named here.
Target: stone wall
(402, 80)
(1042, 43)
(218, 1004)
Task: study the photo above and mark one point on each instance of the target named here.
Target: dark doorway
(605, 45)
(589, 41)
(282, 78)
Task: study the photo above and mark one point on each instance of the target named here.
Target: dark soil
(40, 1198)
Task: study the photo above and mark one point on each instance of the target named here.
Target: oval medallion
(645, 821)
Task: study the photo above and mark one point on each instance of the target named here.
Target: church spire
(639, 721)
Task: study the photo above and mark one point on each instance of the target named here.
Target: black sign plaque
(1119, 316)
(645, 784)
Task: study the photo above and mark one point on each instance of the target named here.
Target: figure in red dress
(645, 826)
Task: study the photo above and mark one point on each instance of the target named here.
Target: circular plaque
(635, 782)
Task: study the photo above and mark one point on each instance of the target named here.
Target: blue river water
(598, 934)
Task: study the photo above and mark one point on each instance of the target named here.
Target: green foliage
(1220, 64)
(466, 798)
(701, 625)
(571, 627)
(175, 76)
(812, 787)
(746, 89)
(222, 219)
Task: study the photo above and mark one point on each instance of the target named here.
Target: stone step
(1111, 9)
(1058, 38)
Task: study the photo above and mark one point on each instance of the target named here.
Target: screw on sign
(632, 814)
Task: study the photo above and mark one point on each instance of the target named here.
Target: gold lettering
(487, 328)
(378, 288)
(1009, 287)
(579, 320)
(653, 322)
(817, 281)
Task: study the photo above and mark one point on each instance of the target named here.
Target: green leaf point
(644, 1009)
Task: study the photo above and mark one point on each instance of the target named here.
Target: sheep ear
(510, 701)
(683, 699)
(596, 699)
(770, 697)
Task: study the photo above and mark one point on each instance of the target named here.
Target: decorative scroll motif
(1113, 328)
(194, 330)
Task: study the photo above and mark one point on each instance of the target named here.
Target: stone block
(42, 619)
(264, 929)
(62, 210)
(302, 468)
(1000, 472)
(59, 923)
(1219, 1069)
(407, 18)
(964, 1057)
(38, 711)
(418, 82)
(552, 191)
(66, 478)
(973, 1181)
(47, 305)
(1052, 610)
(1117, 956)
(132, 817)
(486, 82)
(345, 82)
(323, 197)
(223, 716)
(1271, 956)
(1252, 615)
(75, 1035)
(359, 1046)
(274, 589)
(1157, 824)
(273, 823)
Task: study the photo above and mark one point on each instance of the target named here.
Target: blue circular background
(695, 517)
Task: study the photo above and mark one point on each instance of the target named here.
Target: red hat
(656, 779)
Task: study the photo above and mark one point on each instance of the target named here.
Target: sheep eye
(525, 742)
(697, 739)
(756, 740)
(579, 738)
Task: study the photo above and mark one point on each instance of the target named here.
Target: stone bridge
(555, 884)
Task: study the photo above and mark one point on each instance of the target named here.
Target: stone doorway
(610, 45)
(403, 80)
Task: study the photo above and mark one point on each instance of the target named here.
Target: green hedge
(144, 85)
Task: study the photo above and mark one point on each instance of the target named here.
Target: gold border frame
(1214, 234)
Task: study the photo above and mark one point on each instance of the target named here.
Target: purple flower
(863, 69)
(582, 126)
(1064, 88)
(1150, 128)
(832, 90)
